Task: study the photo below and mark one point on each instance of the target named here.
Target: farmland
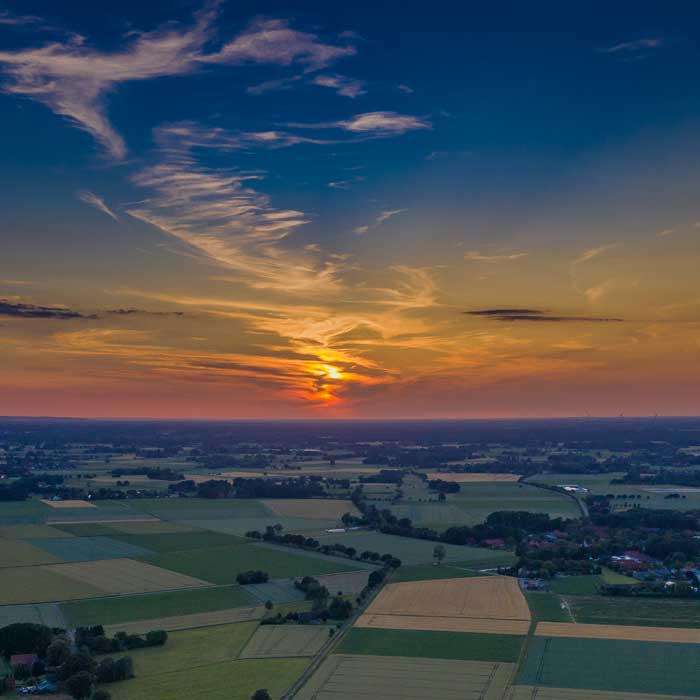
(222, 564)
(346, 676)
(280, 641)
(634, 611)
(620, 666)
(433, 645)
(113, 610)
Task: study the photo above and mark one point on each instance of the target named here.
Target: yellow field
(19, 553)
(310, 508)
(443, 624)
(528, 692)
(68, 504)
(621, 632)
(126, 576)
(473, 478)
(183, 622)
(488, 597)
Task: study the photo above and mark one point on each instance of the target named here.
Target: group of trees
(275, 534)
(77, 671)
(247, 577)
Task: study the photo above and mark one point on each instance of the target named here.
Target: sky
(376, 210)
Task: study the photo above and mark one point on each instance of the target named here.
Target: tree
(261, 694)
(58, 652)
(77, 663)
(156, 638)
(25, 638)
(439, 553)
(268, 605)
(101, 695)
(79, 685)
(123, 668)
(106, 672)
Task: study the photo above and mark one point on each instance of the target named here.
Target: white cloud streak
(476, 256)
(94, 200)
(373, 124)
(344, 86)
(379, 220)
(73, 80)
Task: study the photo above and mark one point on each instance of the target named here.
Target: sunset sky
(244, 209)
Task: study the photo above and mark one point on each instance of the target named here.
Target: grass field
(350, 583)
(588, 585)
(431, 645)
(280, 641)
(200, 508)
(474, 477)
(21, 553)
(48, 614)
(277, 591)
(413, 551)
(23, 512)
(323, 508)
(178, 541)
(342, 676)
(437, 515)
(72, 549)
(151, 527)
(228, 680)
(109, 611)
(600, 484)
(194, 647)
(125, 576)
(429, 572)
(528, 692)
(239, 526)
(480, 500)
(223, 564)
(547, 607)
(187, 622)
(655, 612)
(623, 666)
(38, 584)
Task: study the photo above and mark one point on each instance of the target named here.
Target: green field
(48, 614)
(23, 512)
(88, 548)
(192, 648)
(605, 664)
(647, 612)
(413, 551)
(438, 516)
(240, 525)
(432, 645)
(194, 508)
(478, 500)
(116, 609)
(222, 564)
(547, 607)
(228, 680)
(600, 484)
(429, 572)
(280, 641)
(277, 591)
(176, 542)
(588, 585)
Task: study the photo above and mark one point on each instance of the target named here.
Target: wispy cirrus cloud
(478, 256)
(347, 87)
(218, 214)
(536, 316)
(73, 79)
(635, 48)
(12, 20)
(372, 124)
(379, 220)
(94, 200)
